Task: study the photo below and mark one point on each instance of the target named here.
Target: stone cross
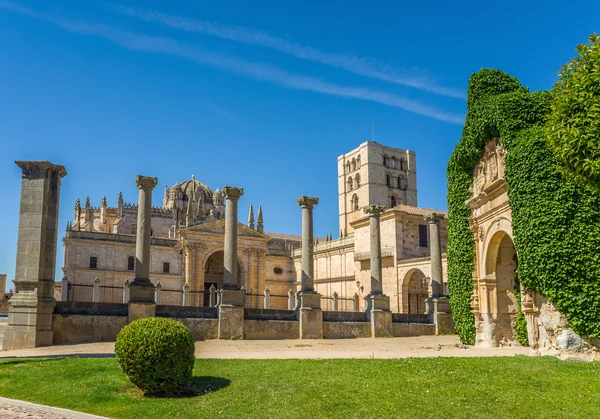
(437, 281)
(141, 289)
(232, 195)
(374, 212)
(307, 203)
(30, 309)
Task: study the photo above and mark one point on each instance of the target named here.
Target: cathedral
(188, 241)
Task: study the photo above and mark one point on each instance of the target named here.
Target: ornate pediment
(217, 227)
(490, 168)
(488, 174)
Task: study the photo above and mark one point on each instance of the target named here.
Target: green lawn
(435, 387)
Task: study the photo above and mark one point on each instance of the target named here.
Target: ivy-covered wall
(556, 223)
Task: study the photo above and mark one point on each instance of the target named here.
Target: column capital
(35, 168)
(307, 201)
(434, 217)
(231, 192)
(374, 210)
(146, 182)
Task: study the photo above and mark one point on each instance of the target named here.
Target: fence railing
(99, 293)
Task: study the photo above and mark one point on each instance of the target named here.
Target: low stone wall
(401, 330)
(186, 312)
(345, 316)
(346, 330)
(410, 318)
(77, 322)
(271, 329)
(269, 314)
(202, 329)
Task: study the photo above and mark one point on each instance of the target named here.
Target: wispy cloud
(258, 71)
(363, 66)
(222, 111)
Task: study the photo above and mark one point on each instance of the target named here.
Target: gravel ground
(16, 409)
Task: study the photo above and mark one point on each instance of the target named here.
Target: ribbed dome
(189, 187)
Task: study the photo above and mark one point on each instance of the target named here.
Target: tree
(573, 126)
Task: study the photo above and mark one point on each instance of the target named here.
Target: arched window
(353, 164)
(358, 162)
(357, 180)
(388, 180)
(393, 201)
(393, 165)
(350, 183)
(347, 167)
(355, 202)
(402, 182)
(130, 263)
(403, 164)
(385, 161)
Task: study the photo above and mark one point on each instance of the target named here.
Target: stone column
(435, 248)
(232, 195)
(232, 298)
(378, 304)
(30, 309)
(141, 289)
(438, 305)
(308, 301)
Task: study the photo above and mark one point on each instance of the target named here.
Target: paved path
(16, 409)
(419, 347)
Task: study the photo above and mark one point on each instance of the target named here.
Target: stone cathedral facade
(188, 241)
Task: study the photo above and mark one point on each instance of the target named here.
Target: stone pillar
(378, 304)
(64, 290)
(158, 292)
(212, 298)
(126, 291)
(438, 305)
(356, 302)
(30, 309)
(96, 291)
(141, 301)
(232, 298)
(435, 247)
(186, 295)
(308, 301)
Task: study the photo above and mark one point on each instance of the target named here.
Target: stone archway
(213, 273)
(498, 302)
(415, 290)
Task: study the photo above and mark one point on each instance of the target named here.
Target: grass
(434, 387)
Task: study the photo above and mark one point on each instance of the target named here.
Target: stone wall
(76, 322)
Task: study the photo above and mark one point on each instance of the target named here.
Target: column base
(140, 310)
(232, 297)
(231, 322)
(440, 314)
(308, 299)
(379, 314)
(29, 321)
(377, 302)
(141, 291)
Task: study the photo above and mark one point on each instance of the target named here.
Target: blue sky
(263, 95)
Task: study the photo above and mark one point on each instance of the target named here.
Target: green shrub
(157, 354)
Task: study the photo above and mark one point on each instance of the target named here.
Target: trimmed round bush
(157, 354)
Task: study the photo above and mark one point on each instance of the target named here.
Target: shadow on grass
(199, 387)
